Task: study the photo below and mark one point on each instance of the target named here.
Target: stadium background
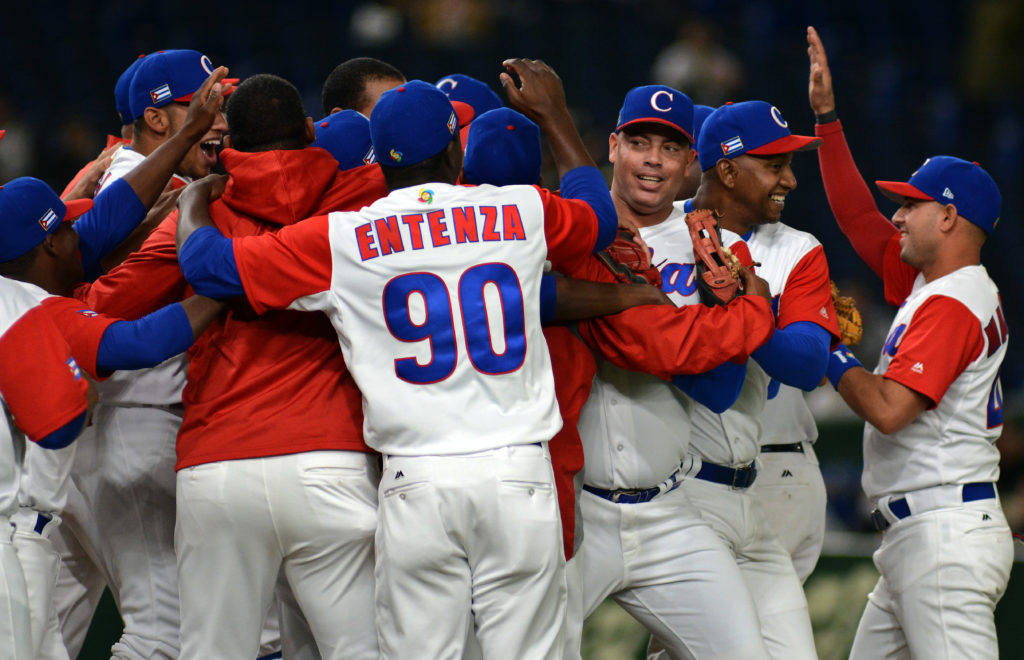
(912, 78)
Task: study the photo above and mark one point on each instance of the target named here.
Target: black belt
(637, 495)
(772, 449)
(741, 477)
(973, 492)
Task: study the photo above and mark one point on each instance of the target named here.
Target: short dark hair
(345, 87)
(266, 112)
(431, 169)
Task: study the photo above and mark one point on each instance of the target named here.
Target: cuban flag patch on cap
(729, 146)
(48, 219)
(161, 93)
(453, 123)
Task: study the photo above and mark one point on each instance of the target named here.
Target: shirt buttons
(401, 496)
(615, 402)
(620, 447)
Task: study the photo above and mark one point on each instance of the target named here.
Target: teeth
(778, 198)
(652, 179)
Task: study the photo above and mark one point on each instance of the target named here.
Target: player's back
(438, 290)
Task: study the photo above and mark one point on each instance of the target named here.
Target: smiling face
(762, 185)
(650, 162)
(917, 221)
(201, 158)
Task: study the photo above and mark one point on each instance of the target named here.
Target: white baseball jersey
(793, 264)
(947, 342)
(161, 385)
(636, 427)
(434, 291)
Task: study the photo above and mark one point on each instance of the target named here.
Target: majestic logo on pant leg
(787, 473)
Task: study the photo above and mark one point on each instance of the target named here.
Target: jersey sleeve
(850, 198)
(40, 382)
(115, 215)
(942, 339)
(83, 329)
(278, 269)
(147, 280)
(577, 226)
(807, 295)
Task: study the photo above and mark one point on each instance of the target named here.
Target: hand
(754, 285)
(540, 95)
(205, 104)
(85, 188)
(203, 191)
(819, 87)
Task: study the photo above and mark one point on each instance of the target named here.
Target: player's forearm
(149, 178)
(145, 342)
(201, 311)
(796, 355)
(207, 260)
(850, 198)
(582, 299)
(567, 148)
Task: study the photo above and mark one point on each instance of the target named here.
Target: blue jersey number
(428, 294)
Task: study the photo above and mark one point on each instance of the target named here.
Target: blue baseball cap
(700, 115)
(122, 91)
(411, 123)
(752, 127)
(469, 90)
(168, 76)
(346, 135)
(503, 149)
(949, 180)
(660, 105)
(29, 212)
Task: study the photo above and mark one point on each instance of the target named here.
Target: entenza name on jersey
(467, 224)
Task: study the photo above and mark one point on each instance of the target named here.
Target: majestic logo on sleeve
(654, 100)
(48, 219)
(161, 93)
(918, 368)
(730, 146)
(777, 116)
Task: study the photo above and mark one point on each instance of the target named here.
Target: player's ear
(156, 120)
(727, 172)
(949, 218)
(310, 131)
(613, 143)
(691, 157)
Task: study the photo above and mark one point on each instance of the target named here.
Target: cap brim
(900, 191)
(656, 120)
(232, 82)
(464, 112)
(786, 145)
(76, 207)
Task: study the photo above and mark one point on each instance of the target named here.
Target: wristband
(840, 361)
(826, 118)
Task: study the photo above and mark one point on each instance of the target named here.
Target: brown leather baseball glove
(630, 261)
(851, 328)
(717, 268)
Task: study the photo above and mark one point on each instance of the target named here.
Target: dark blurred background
(912, 79)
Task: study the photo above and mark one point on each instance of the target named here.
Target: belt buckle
(736, 474)
(880, 522)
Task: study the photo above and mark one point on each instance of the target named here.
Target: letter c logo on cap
(777, 116)
(447, 81)
(654, 100)
(207, 65)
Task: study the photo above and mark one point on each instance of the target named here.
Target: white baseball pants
(669, 570)
(15, 625)
(240, 521)
(942, 572)
(468, 533)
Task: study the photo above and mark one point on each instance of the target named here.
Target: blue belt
(741, 477)
(972, 492)
(637, 495)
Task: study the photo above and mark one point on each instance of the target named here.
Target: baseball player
(357, 84)
(48, 258)
(933, 405)
(137, 420)
(45, 399)
(644, 544)
(468, 516)
(745, 150)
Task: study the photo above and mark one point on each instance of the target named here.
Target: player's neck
(639, 219)
(728, 215)
(945, 264)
